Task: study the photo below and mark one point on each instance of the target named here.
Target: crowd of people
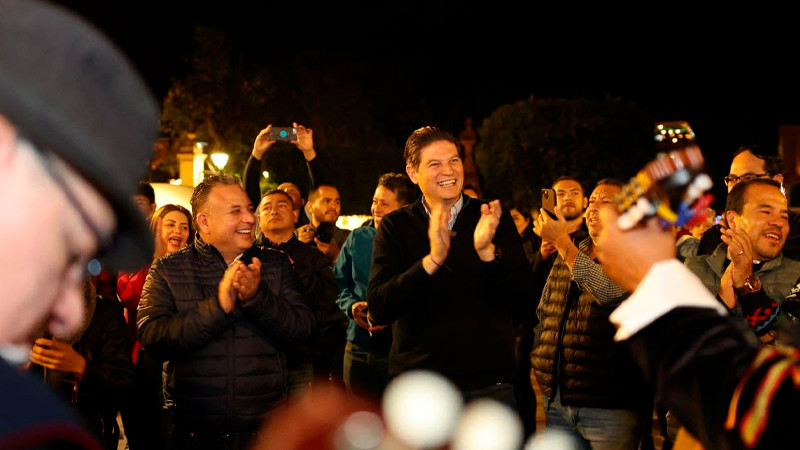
(254, 321)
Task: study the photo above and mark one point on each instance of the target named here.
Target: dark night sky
(731, 77)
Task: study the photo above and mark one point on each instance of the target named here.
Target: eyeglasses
(51, 167)
(733, 179)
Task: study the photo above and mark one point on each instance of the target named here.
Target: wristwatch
(751, 284)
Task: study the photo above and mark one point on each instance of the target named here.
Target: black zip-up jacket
(319, 285)
(458, 321)
(225, 371)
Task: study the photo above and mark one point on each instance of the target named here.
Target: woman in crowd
(172, 230)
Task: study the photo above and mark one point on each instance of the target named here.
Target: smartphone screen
(283, 134)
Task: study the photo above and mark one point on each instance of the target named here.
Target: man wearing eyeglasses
(77, 126)
(751, 162)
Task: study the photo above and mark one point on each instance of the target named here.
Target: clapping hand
(486, 228)
(247, 279)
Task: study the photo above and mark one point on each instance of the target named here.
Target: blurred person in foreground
(77, 127)
(724, 387)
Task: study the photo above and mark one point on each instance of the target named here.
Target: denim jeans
(597, 428)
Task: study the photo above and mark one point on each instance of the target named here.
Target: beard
(572, 216)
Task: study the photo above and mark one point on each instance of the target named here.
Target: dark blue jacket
(225, 371)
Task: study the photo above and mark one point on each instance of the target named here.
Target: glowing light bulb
(488, 425)
(422, 408)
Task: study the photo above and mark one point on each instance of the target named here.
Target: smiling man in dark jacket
(448, 272)
(221, 312)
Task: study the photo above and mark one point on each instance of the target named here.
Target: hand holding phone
(549, 202)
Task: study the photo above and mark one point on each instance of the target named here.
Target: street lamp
(219, 159)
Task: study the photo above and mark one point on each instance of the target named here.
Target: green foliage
(526, 145)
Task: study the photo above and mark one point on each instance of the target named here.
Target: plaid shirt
(590, 277)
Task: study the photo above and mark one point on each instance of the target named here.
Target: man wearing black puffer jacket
(222, 313)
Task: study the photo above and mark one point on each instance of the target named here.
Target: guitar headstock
(672, 187)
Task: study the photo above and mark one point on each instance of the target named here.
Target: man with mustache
(572, 200)
(753, 162)
(324, 206)
(748, 271)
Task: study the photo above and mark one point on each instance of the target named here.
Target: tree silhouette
(526, 145)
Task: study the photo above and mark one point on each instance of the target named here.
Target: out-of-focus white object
(422, 408)
(175, 194)
(487, 424)
(363, 430)
(550, 439)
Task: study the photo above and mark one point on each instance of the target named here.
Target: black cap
(69, 90)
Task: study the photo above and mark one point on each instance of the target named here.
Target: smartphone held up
(283, 134)
(549, 202)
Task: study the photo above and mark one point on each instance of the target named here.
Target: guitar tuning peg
(625, 221)
(667, 214)
(692, 192)
(703, 182)
(685, 214)
(645, 206)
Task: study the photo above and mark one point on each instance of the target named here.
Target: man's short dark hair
(423, 137)
(736, 197)
(773, 163)
(610, 182)
(312, 196)
(145, 189)
(201, 191)
(569, 178)
(277, 191)
(401, 185)
(522, 206)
